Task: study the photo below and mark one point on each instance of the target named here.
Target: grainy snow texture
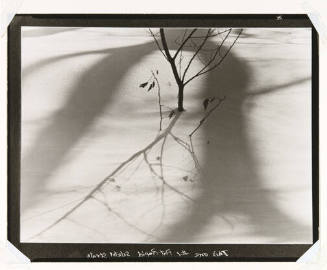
(83, 114)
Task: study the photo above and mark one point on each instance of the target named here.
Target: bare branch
(224, 56)
(169, 58)
(181, 55)
(203, 70)
(184, 42)
(157, 43)
(207, 115)
(164, 44)
(211, 60)
(211, 35)
(196, 52)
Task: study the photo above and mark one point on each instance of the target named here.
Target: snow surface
(83, 114)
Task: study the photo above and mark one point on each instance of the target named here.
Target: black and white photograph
(166, 135)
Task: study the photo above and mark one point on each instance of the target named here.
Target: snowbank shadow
(87, 100)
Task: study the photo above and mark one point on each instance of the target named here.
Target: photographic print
(166, 135)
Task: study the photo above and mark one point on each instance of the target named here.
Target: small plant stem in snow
(159, 100)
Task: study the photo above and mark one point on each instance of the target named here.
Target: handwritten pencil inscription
(156, 253)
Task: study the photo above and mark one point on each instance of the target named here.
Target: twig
(195, 54)
(204, 70)
(211, 60)
(207, 115)
(224, 56)
(184, 42)
(157, 43)
(211, 35)
(181, 55)
(159, 100)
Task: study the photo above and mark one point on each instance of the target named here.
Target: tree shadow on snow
(231, 184)
(232, 188)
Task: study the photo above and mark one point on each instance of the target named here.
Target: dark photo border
(64, 252)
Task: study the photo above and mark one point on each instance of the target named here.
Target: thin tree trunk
(172, 63)
(180, 97)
